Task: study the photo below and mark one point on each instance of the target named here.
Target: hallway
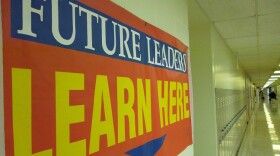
(263, 132)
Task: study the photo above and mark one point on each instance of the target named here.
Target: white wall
(2, 149)
(205, 125)
(228, 73)
(168, 15)
(230, 82)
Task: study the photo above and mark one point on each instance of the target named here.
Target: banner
(87, 78)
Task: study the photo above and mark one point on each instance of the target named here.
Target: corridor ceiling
(251, 29)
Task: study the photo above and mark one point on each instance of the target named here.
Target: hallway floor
(262, 137)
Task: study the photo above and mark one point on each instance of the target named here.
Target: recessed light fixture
(275, 76)
(272, 79)
(276, 71)
(269, 82)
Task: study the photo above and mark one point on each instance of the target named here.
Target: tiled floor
(262, 137)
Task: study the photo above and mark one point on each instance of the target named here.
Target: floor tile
(262, 137)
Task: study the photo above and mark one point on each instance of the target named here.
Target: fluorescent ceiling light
(276, 147)
(275, 76)
(268, 83)
(271, 127)
(272, 79)
(276, 71)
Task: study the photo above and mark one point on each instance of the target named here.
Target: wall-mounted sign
(89, 78)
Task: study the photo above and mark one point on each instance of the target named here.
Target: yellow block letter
(163, 102)
(125, 109)
(144, 106)
(186, 100)
(98, 127)
(66, 115)
(22, 113)
(180, 113)
(172, 102)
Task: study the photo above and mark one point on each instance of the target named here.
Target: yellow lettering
(22, 113)
(180, 113)
(144, 106)
(125, 108)
(98, 127)
(163, 102)
(172, 102)
(66, 115)
(186, 100)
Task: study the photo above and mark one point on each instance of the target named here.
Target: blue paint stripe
(148, 149)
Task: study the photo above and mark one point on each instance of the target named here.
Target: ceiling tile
(258, 50)
(268, 6)
(269, 24)
(272, 39)
(260, 78)
(248, 57)
(247, 51)
(271, 51)
(245, 27)
(250, 64)
(245, 42)
(269, 66)
(259, 75)
(219, 10)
